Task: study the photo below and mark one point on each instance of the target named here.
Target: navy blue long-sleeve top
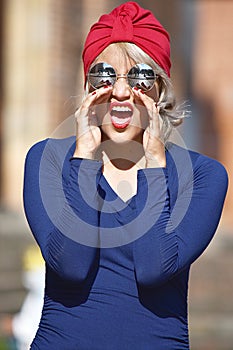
(116, 272)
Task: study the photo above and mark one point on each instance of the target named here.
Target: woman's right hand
(88, 134)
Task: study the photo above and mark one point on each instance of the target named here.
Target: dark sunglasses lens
(141, 76)
(101, 74)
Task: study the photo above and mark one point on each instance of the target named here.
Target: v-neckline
(113, 193)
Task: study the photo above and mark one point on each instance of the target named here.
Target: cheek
(145, 123)
(154, 93)
(142, 117)
(101, 111)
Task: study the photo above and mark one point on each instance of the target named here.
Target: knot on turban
(129, 23)
(122, 27)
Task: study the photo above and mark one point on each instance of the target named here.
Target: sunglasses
(141, 76)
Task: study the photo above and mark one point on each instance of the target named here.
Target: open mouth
(121, 114)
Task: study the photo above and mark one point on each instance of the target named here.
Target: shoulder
(191, 162)
(51, 148)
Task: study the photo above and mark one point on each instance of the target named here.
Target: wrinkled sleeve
(180, 234)
(61, 220)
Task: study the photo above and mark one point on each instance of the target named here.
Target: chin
(121, 135)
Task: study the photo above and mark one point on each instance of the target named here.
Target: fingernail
(94, 92)
(142, 92)
(106, 86)
(136, 88)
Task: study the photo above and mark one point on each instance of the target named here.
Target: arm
(56, 211)
(166, 249)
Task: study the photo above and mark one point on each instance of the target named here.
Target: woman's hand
(88, 134)
(152, 139)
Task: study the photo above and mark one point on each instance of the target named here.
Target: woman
(120, 213)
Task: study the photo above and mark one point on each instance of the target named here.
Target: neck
(122, 156)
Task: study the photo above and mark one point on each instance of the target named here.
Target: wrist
(155, 164)
(84, 155)
(155, 161)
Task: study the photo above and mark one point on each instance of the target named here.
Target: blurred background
(41, 82)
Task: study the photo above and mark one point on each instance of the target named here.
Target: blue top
(117, 273)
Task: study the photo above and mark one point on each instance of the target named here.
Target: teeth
(119, 120)
(121, 109)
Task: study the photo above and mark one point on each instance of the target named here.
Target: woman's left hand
(152, 139)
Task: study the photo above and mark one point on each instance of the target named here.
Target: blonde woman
(119, 212)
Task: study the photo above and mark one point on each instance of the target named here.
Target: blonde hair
(171, 114)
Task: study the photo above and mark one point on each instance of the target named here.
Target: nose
(121, 89)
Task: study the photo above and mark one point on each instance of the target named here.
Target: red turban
(129, 23)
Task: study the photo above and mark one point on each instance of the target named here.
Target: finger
(92, 99)
(152, 107)
(148, 102)
(155, 123)
(93, 118)
(102, 94)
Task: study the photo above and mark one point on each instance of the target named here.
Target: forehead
(116, 57)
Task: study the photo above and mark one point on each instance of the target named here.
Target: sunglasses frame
(114, 76)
